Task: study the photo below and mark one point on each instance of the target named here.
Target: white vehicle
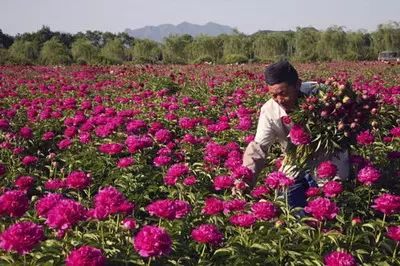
(389, 56)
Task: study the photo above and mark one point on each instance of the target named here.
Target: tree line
(95, 47)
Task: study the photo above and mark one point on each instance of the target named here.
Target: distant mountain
(158, 33)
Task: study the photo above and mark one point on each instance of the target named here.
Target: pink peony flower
(78, 180)
(111, 148)
(86, 256)
(13, 203)
(259, 191)
(26, 132)
(65, 214)
(276, 180)
(152, 241)
(207, 234)
(322, 208)
(21, 237)
(163, 135)
(368, 175)
(326, 169)
(243, 219)
(332, 189)
(395, 132)
(213, 206)
(387, 204)
(365, 138)
(125, 162)
(64, 144)
(189, 181)
(162, 160)
(339, 258)
(45, 204)
(49, 135)
(264, 210)
(169, 209)
(110, 201)
(234, 205)
(394, 233)
(223, 182)
(312, 192)
(24, 183)
(299, 136)
(29, 160)
(129, 223)
(54, 184)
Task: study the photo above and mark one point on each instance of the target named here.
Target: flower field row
(143, 165)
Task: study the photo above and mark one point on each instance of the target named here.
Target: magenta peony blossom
(65, 214)
(312, 192)
(29, 160)
(54, 184)
(152, 241)
(326, 169)
(111, 148)
(339, 258)
(207, 234)
(259, 191)
(163, 135)
(243, 219)
(234, 205)
(365, 138)
(264, 210)
(13, 203)
(223, 182)
(213, 206)
(125, 162)
(299, 136)
(332, 189)
(63, 144)
(162, 160)
(395, 132)
(48, 135)
(189, 181)
(322, 208)
(21, 237)
(243, 172)
(394, 233)
(129, 223)
(24, 183)
(169, 209)
(45, 204)
(368, 175)
(85, 256)
(110, 201)
(26, 132)
(78, 180)
(276, 180)
(387, 204)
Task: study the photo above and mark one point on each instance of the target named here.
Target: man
(286, 88)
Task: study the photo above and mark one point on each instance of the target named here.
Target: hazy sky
(248, 16)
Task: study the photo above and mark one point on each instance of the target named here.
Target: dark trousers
(297, 191)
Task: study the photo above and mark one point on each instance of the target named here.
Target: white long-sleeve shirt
(271, 129)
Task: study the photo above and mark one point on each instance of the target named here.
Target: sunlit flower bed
(143, 165)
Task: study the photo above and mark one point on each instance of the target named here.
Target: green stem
(202, 253)
(395, 250)
(149, 261)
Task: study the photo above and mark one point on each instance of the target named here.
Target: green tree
(176, 49)
(206, 48)
(270, 46)
(23, 52)
(113, 52)
(387, 37)
(359, 46)
(237, 46)
(146, 51)
(332, 44)
(306, 40)
(3, 56)
(84, 52)
(5, 40)
(54, 52)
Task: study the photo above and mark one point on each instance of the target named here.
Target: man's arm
(255, 153)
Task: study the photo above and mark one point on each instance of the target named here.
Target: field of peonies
(141, 165)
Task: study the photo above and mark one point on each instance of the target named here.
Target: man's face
(285, 95)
